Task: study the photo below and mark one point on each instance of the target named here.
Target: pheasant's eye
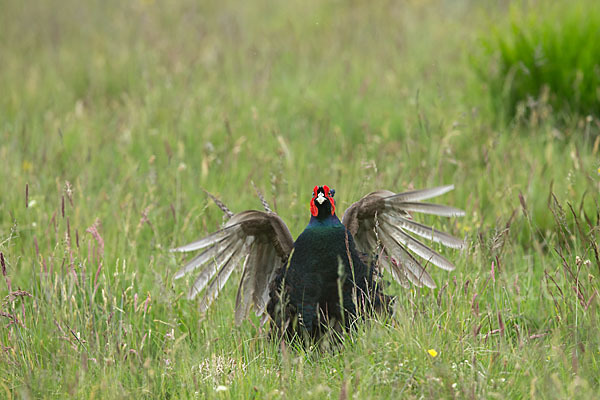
(332, 192)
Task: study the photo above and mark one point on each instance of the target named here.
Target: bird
(331, 275)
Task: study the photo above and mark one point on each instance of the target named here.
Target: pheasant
(331, 274)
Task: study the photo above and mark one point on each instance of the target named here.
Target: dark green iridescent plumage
(324, 281)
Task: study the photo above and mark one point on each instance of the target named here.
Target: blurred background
(114, 116)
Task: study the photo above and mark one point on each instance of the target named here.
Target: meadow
(115, 115)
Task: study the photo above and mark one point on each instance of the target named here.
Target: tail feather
(219, 203)
(262, 199)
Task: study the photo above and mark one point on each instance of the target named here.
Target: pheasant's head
(322, 204)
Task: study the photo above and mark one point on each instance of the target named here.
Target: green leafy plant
(546, 54)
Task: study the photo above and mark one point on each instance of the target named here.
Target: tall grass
(514, 320)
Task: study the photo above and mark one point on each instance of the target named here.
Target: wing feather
(205, 242)
(424, 231)
(213, 290)
(207, 255)
(415, 271)
(422, 194)
(263, 279)
(212, 268)
(387, 213)
(419, 248)
(260, 238)
(242, 305)
(255, 281)
(426, 208)
(398, 273)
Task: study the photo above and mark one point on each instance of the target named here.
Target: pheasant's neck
(330, 220)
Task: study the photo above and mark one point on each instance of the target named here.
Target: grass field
(114, 116)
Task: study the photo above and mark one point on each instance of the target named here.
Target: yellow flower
(432, 352)
(27, 166)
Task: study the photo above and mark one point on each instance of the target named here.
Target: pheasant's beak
(320, 198)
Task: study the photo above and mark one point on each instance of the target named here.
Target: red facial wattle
(327, 194)
(313, 208)
(326, 191)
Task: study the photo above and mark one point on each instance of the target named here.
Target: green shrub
(549, 53)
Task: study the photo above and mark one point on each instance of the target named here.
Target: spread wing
(382, 218)
(262, 239)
